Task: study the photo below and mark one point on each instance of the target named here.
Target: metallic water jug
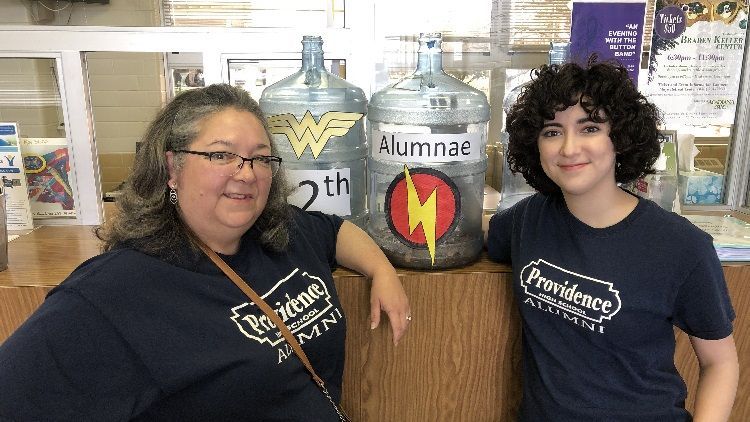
(427, 163)
(317, 122)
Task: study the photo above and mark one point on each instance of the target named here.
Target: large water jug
(3, 230)
(427, 163)
(317, 122)
(514, 187)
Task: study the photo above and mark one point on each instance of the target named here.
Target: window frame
(356, 44)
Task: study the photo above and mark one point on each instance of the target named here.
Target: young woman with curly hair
(601, 276)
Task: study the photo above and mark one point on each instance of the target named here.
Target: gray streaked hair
(145, 218)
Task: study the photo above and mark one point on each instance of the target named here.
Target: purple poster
(614, 31)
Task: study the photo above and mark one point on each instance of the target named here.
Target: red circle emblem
(442, 213)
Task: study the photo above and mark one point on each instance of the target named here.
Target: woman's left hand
(357, 251)
(387, 295)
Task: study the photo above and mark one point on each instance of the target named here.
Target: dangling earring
(172, 195)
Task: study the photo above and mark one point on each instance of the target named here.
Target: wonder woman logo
(307, 132)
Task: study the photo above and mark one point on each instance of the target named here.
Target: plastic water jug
(3, 231)
(514, 187)
(317, 122)
(427, 163)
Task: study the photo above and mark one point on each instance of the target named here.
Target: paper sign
(17, 208)
(47, 165)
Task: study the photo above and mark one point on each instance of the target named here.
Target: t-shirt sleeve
(703, 308)
(499, 235)
(54, 367)
(322, 230)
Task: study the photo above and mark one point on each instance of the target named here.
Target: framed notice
(17, 209)
(695, 61)
(47, 166)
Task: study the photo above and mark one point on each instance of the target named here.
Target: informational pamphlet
(613, 30)
(695, 62)
(47, 166)
(731, 235)
(17, 208)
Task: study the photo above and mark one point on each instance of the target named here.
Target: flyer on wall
(17, 208)
(47, 166)
(695, 62)
(613, 30)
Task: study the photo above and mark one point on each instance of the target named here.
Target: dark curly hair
(603, 89)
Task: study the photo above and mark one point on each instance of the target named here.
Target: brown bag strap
(276, 320)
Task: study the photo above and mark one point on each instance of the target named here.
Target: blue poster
(611, 30)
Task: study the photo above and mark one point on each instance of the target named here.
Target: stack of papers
(731, 235)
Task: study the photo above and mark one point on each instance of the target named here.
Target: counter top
(48, 254)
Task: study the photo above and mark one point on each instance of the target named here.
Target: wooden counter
(460, 360)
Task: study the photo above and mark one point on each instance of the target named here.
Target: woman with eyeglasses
(153, 330)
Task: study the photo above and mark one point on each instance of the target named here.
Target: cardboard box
(701, 187)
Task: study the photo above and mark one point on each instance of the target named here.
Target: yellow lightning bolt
(424, 213)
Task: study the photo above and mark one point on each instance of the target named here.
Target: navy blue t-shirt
(598, 307)
(131, 337)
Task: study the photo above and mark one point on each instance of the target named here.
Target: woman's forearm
(717, 383)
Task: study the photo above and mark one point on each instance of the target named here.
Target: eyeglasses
(228, 164)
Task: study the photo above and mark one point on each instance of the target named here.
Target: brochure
(47, 166)
(731, 235)
(17, 208)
